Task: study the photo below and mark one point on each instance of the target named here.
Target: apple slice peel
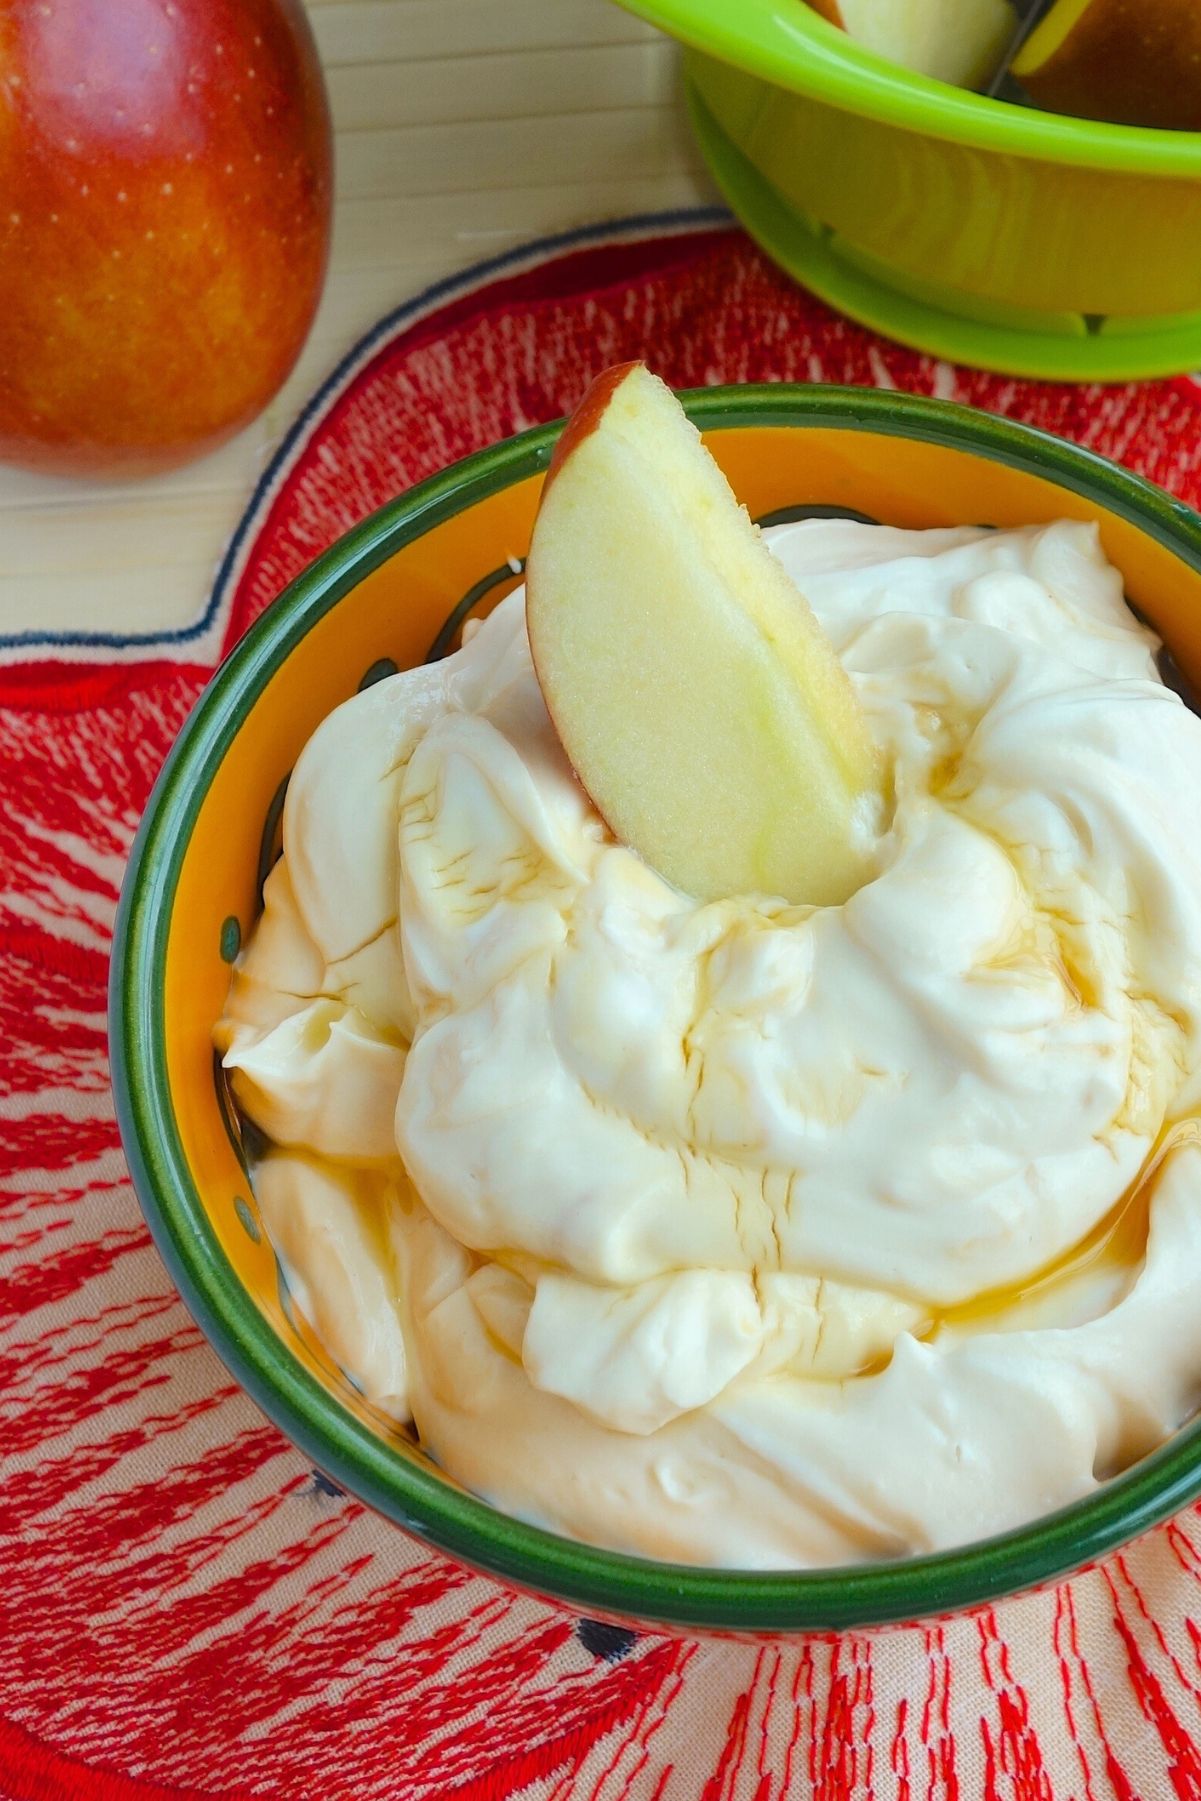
(698, 700)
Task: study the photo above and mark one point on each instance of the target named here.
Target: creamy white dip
(742, 1233)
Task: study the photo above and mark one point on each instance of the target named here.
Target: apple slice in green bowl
(701, 705)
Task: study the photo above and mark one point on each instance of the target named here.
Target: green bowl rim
(787, 44)
(361, 1460)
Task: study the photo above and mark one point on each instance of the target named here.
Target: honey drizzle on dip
(1118, 1242)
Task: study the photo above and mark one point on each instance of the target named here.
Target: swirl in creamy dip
(743, 1233)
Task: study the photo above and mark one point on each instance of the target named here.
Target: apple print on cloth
(186, 1610)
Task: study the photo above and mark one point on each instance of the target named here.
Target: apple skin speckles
(167, 192)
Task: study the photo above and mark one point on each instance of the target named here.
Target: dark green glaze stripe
(246, 1219)
(444, 643)
(269, 840)
(792, 515)
(379, 671)
(230, 1117)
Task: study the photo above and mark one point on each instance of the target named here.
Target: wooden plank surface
(464, 127)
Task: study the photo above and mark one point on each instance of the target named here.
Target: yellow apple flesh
(698, 700)
(960, 41)
(1131, 62)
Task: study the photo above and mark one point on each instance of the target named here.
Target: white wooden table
(463, 127)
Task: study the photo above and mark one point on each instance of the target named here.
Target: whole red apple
(165, 186)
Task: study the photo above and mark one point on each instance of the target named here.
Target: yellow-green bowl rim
(789, 45)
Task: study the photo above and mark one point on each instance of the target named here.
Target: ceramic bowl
(984, 232)
(391, 593)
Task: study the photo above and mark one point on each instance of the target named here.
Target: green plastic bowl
(984, 232)
(392, 592)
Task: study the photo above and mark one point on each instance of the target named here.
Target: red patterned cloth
(186, 1610)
